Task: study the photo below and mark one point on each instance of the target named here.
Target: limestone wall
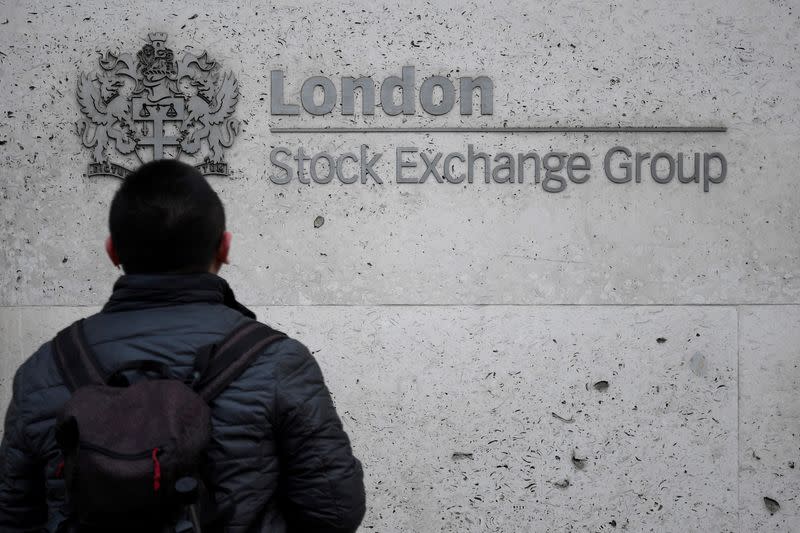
(614, 356)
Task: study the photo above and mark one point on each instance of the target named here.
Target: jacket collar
(144, 291)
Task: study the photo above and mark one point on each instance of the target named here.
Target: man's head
(166, 218)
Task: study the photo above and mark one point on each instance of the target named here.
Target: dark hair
(166, 218)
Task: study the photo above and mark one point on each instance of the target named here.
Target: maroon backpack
(125, 446)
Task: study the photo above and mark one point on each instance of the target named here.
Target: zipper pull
(156, 471)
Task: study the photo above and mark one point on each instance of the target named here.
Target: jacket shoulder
(37, 391)
(286, 355)
(38, 372)
(285, 366)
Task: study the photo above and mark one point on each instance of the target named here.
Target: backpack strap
(218, 366)
(75, 360)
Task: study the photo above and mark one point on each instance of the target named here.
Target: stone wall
(610, 357)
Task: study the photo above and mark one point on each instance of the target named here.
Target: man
(278, 451)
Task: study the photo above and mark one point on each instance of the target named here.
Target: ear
(112, 252)
(224, 248)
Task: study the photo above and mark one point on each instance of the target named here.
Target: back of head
(166, 218)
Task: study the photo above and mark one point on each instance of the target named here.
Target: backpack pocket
(125, 447)
(103, 481)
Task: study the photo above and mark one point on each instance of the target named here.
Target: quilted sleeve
(322, 482)
(23, 506)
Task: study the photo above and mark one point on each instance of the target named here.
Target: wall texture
(611, 357)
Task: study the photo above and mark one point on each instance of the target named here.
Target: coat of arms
(154, 105)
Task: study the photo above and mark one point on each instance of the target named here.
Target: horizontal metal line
(252, 304)
(543, 129)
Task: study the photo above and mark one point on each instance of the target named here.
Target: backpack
(126, 446)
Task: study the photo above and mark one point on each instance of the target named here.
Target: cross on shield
(159, 113)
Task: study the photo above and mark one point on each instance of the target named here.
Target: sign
(155, 106)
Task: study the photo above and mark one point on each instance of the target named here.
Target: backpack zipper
(117, 455)
(151, 454)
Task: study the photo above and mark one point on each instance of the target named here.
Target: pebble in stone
(771, 505)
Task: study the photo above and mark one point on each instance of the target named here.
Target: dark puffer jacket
(278, 447)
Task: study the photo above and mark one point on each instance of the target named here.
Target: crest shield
(155, 105)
